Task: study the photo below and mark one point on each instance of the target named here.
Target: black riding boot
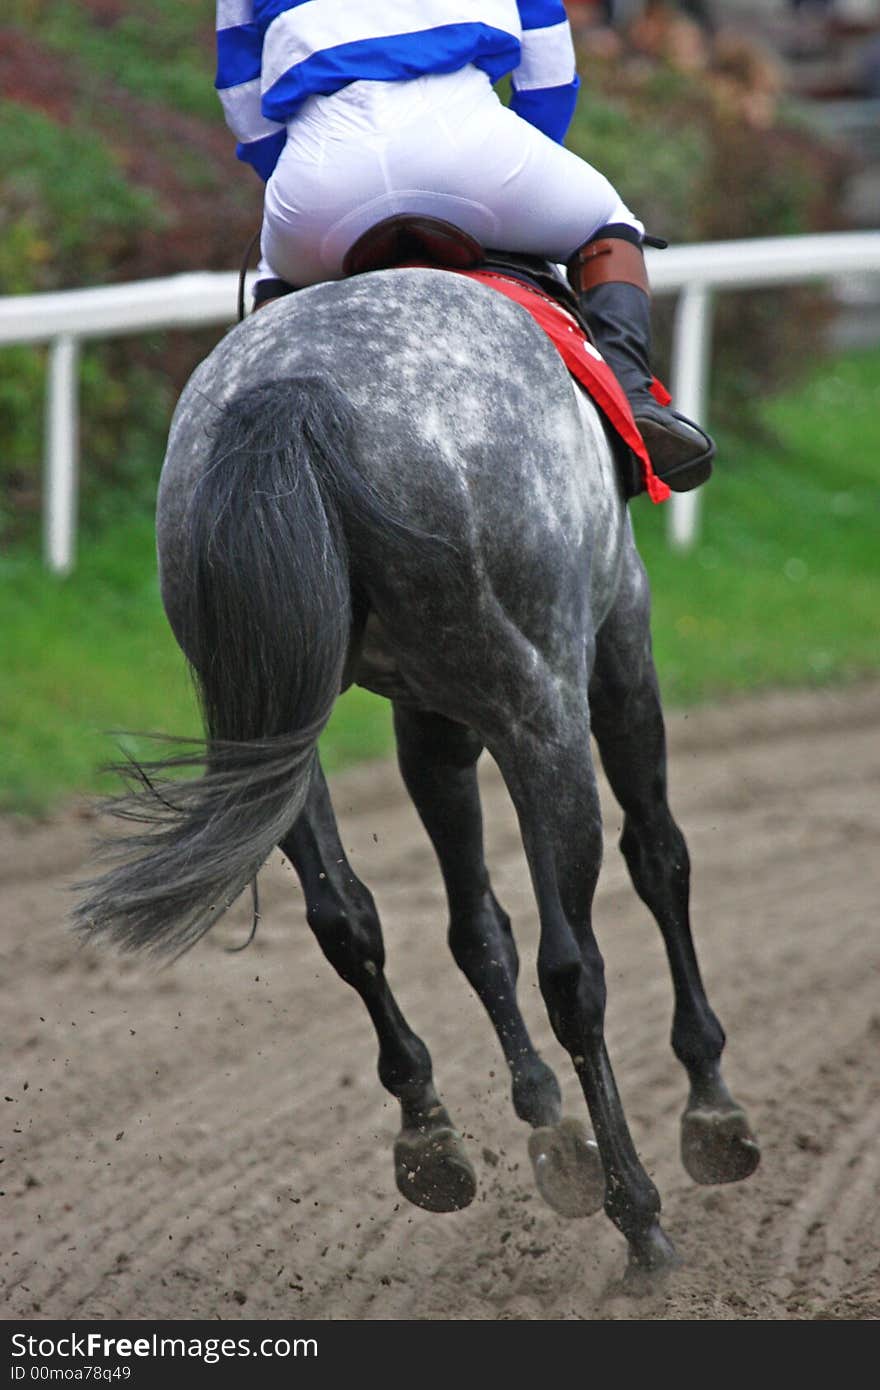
(609, 276)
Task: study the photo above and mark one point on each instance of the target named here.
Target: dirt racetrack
(211, 1140)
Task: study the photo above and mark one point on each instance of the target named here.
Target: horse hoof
(718, 1146)
(651, 1257)
(432, 1169)
(568, 1169)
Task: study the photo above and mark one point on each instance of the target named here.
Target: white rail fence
(696, 273)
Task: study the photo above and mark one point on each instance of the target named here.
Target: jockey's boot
(609, 276)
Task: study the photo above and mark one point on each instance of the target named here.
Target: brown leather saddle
(408, 239)
(403, 238)
(412, 240)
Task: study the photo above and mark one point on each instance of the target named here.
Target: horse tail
(266, 629)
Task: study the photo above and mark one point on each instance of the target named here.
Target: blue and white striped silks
(274, 54)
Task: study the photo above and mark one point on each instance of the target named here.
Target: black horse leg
(431, 1167)
(550, 776)
(438, 761)
(716, 1141)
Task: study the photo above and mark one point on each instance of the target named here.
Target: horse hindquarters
(262, 609)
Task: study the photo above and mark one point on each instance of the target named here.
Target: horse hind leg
(438, 761)
(549, 773)
(432, 1169)
(717, 1143)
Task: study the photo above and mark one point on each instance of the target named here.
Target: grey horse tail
(271, 527)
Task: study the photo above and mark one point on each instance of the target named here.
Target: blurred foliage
(659, 171)
(68, 214)
(159, 49)
(22, 376)
(68, 210)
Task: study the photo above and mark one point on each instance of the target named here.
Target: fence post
(691, 345)
(60, 466)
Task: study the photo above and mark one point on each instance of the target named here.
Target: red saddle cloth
(585, 363)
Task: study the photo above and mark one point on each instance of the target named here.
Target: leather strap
(267, 290)
(607, 260)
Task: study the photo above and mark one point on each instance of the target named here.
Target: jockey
(352, 111)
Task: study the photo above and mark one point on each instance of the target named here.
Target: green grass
(93, 654)
(784, 585)
(782, 590)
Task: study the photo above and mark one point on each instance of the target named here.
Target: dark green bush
(68, 212)
(159, 49)
(67, 215)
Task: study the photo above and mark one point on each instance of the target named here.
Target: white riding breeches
(440, 146)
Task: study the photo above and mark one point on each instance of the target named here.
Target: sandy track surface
(211, 1140)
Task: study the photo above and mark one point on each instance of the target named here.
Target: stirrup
(681, 457)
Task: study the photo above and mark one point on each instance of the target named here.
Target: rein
(242, 274)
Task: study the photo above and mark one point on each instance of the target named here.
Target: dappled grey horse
(393, 481)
